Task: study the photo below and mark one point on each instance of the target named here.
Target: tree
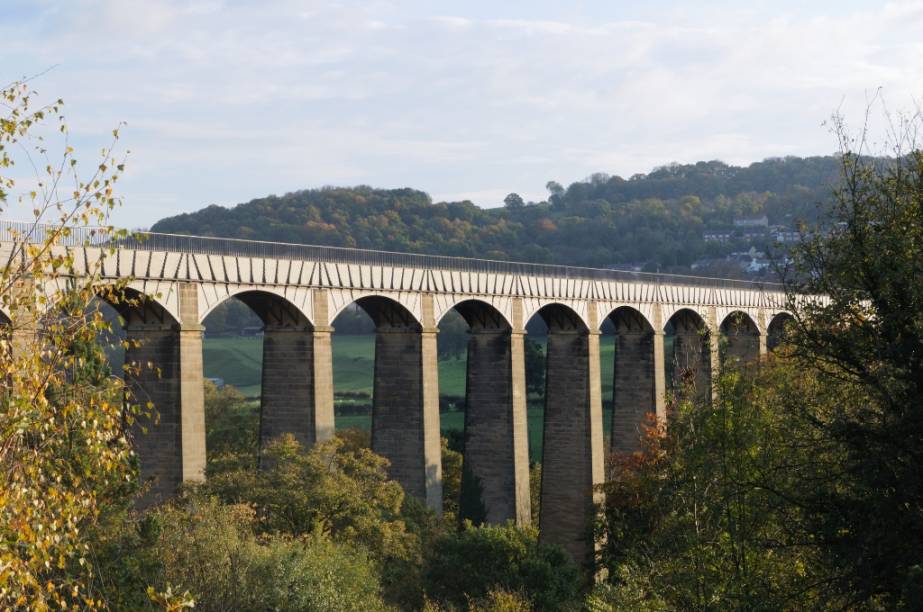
(209, 554)
(63, 440)
(799, 485)
(513, 201)
(452, 466)
(210, 550)
(556, 193)
(332, 489)
(655, 216)
(478, 560)
(865, 335)
(337, 490)
(701, 518)
(231, 429)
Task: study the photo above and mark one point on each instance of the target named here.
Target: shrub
(210, 550)
(469, 565)
(231, 429)
(339, 490)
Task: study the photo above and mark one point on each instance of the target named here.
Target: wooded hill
(655, 220)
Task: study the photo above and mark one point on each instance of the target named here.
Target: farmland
(238, 361)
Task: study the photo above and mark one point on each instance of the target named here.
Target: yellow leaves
(63, 443)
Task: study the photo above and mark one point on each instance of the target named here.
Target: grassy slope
(238, 361)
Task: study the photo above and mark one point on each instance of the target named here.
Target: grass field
(238, 361)
(456, 421)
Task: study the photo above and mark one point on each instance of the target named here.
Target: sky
(228, 100)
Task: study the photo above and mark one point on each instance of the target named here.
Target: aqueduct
(297, 291)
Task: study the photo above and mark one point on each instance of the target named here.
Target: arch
(355, 297)
(629, 319)
(551, 309)
(136, 308)
(164, 294)
(268, 294)
(740, 337)
(480, 315)
(686, 321)
(777, 329)
(569, 430)
(684, 310)
(690, 362)
(405, 396)
(166, 456)
(273, 309)
(5, 318)
(560, 318)
(634, 394)
(388, 313)
(293, 394)
(738, 320)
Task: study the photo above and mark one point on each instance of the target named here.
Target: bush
(232, 427)
(340, 490)
(452, 464)
(501, 601)
(333, 489)
(469, 565)
(702, 517)
(210, 550)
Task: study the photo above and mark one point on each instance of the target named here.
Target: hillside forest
(688, 218)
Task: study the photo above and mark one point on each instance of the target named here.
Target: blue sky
(227, 100)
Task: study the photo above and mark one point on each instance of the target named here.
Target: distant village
(755, 232)
(755, 247)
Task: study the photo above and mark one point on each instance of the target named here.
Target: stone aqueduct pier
(298, 291)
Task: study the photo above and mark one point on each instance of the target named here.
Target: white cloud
(227, 100)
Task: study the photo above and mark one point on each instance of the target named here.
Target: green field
(238, 360)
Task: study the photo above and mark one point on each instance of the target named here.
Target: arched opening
(535, 349)
(264, 345)
(778, 330)
(567, 475)
(633, 384)
(232, 364)
(740, 339)
(353, 368)
(452, 348)
(233, 348)
(688, 366)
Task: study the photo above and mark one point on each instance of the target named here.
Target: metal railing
(80, 236)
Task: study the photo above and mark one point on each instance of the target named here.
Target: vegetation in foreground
(797, 487)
